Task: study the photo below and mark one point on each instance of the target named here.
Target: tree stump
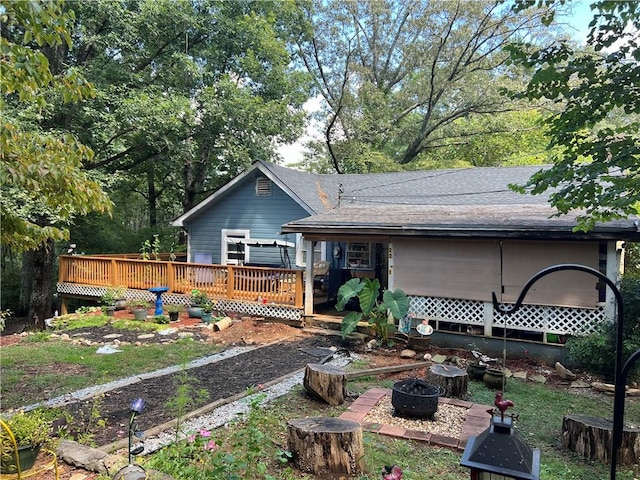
(326, 446)
(326, 382)
(591, 437)
(454, 380)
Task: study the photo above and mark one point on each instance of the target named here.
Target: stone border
(476, 421)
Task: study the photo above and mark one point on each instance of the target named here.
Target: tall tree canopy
(396, 75)
(42, 181)
(188, 93)
(598, 128)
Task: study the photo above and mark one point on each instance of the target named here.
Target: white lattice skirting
(267, 310)
(534, 318)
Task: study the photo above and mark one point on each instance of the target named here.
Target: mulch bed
(220, 380)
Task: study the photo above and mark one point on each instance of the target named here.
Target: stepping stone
(580, 384)
(520, 375)
(146, 336)
(539, 378)
(168, 331)
(185, 334)
(438, 359)
(112, 336)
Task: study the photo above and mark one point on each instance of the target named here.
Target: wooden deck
(92, 275)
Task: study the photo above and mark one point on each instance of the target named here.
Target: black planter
(415, 398)
(27, 456)
(476, 370)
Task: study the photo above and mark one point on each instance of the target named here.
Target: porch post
(308, 278)
(390, 279)
(614, 260)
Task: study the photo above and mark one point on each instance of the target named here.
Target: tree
(395, 75)
(597, 171)
(188, 93)
(42, 180)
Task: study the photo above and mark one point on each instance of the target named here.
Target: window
(359, 255)
(319, 249)
(263, 187)
(231, 252)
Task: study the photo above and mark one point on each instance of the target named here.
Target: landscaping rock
(438, 358)
(520, 375)
(539, 378)
(407, 353)
(580, 384)
(82, 456)
(565, 373)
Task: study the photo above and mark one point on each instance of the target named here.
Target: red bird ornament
(502, 404)
(392, 473)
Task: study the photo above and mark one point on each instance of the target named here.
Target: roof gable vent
(263, 187)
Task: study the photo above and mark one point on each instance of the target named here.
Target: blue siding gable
(243, 209)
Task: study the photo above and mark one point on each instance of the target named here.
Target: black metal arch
(621, 371)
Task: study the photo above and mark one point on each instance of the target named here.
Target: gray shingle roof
(467, 186)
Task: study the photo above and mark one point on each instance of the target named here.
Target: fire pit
(415, 398)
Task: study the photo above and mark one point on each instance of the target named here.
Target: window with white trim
(319, 251)
(359, 255)
(231, 251)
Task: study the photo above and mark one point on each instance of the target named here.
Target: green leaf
(350, 322)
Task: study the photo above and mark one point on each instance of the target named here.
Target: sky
(577, 22)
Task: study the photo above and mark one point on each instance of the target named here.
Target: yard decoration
(133, 471)
(380, 315)
(500, 451)
(30, 430)
(621, 369)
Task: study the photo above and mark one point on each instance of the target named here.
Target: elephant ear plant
(381, 315)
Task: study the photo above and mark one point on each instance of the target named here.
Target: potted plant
(30, 431)
(198, 298)
(207, 310)
(140, 309)
(109, 299)
(174, 311)
(381, 315)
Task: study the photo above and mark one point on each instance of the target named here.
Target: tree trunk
(326, 382)
(25, 282)
(326, 446)
(454, 380)
(41, 284)
(591, 437)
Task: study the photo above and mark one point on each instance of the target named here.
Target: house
(448, 238)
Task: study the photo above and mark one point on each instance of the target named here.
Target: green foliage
(393, 93)
(187, 395)
(112, 294)
(28, 428)
(42, 179)
(596, 351)
(90, 420)
(381, 315)
(247, 453)
(597, 170)
(198, 298)
(160, 319)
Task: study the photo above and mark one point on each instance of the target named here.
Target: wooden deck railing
(273, 285)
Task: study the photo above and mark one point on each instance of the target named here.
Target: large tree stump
(326, 446)
(326, 382)
(591, 437)
(454, 380)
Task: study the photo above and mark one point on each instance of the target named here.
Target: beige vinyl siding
(465, 269)
(522, 259)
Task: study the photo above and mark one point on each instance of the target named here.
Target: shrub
(596, 352)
